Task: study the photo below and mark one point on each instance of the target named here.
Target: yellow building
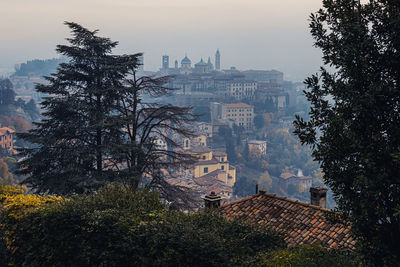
(200, 140)
(7, 138)
(213, 163)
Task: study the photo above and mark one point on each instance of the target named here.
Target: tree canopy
(354, 121)
(97, 126)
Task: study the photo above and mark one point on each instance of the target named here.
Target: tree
(259, 121)
(141, 124)
(265, 181)
(7, 94)
(6, 178)
(97, 127)
(354, 121)
(76, 135)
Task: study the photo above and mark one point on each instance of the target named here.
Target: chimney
(318, 196)
(212, 201)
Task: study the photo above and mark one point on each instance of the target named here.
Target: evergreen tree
(74, 140)
(98, 127)
(354, 121)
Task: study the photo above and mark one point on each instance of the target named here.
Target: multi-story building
(7, 138)
(241, 89)
(212, 163)
(240, 113)
(258, 144)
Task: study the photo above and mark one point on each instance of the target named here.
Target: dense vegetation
(354, 121)
(119, 227)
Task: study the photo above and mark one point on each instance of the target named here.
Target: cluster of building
(211, 170)
(303, 183)
(186, 65)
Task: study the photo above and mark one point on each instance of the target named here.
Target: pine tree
(354, 124)
(74, 140)
(98, 127)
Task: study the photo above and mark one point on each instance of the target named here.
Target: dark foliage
(7, 94)
(97, 126)
(354, 121)
(119, 227)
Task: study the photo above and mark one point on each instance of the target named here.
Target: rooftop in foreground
(298, 222)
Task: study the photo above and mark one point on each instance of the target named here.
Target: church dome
(186, 60)
(201, 63)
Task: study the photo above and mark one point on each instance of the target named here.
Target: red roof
(238, 105)
(299, 223)
(6, 130)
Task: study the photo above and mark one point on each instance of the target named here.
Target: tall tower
(165, 62)
(217, 60)
(176, 64)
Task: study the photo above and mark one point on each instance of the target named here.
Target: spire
(217, 60)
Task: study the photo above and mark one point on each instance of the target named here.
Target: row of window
(240, 110)
(239, 115)
(205, 170)
(6, 144)
(5, 137)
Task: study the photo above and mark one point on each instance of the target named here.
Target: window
(204, 157)
(205, 169)
(222, 167)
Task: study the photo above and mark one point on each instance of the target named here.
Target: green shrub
(117, 227)
(306, 255)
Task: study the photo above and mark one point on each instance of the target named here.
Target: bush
(117, 227)
(306, 255)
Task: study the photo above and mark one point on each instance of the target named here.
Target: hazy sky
(251, 34)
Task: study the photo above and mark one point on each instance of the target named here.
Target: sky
(250, 34)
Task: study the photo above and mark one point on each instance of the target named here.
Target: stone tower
(165, 62)
(217, 60)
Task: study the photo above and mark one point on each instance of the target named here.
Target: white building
(241, 89)
(258, 144)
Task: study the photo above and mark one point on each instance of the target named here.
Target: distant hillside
(38, 67)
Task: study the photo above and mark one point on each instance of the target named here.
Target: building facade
(7, 138)
(240, 113)
(242, 89)
(258, 144)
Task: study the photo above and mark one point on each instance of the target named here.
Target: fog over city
(252, 34)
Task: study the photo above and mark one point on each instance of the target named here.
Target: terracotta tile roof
(299, 223)
(6, 130)
(209, 178)
(200, 149)
(238, 105)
